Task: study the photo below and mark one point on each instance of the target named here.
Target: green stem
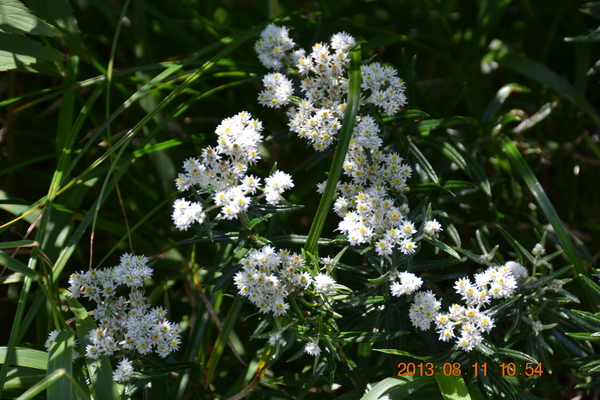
(340, 154)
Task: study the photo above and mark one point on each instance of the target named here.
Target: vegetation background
(96, 127)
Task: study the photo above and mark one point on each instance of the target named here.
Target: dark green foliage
(502, 121)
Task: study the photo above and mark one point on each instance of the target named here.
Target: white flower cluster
(470, 320)
(223, 168)
(369, 212)
(125, 324)
(408, 283)
(273, 45)
(277, 92)
(386, 88)
(124, 371)
(318, 116)
(324, 284)
(269, 276)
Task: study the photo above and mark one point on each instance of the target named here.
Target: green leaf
(591, 287)
(16, 266)
(29, 358)
(538, 192)
(510, 353)
(313, 378)
(100, 370)
(219, 345)
(397, 387)
(18, 243)
(402, 353)
(442, 246)
(452, 387)
(590, 37)
(60, 14)
(503, 307)
(594, 337)
(371, 337)
(342, 147)
(406, 114)
(544, 75)
(422, 161)
(432, 124)
(16, 18)
(18, 51)
(61, 357)
(501, 97)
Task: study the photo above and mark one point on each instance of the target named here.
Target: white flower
(273, 45)
(324, 284)
(124, 371)
(408, 247)
(51, 339)
(432, 228)
(409, 283)
(424, 310)
(538, 250)
(275, 338)
(277, 92)
(517, 270)
(275, 185)
(312, 349)
(342, 41)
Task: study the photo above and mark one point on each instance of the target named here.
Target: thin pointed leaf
(423, 162)
(501, 97)
(100, 370)
(397, 387)
(342, 147)
(17, 266)
(544, 75)
(442, 246)
(538, 192)
(452, 387)
(23, 357)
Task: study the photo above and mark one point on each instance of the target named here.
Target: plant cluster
(341, 221)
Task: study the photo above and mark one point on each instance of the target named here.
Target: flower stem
(340, 153)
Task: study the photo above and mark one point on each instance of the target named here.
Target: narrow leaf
(442, 246)
(100, 370)
(544, 75)
(452, 387)
(342, 147)
(397, 387)
(538, 192)
(16, 266)
(29, 358)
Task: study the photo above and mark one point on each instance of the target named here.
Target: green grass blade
(23, 357)
(340, 153)
(397, 387)
(18, 243)
(544, 75)
(17, 266)
(501, 97)
(540, 195)
(39, 387)
(422, 160)
(100, 370)
(61, 357)
(452, 387)
(222, 339)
